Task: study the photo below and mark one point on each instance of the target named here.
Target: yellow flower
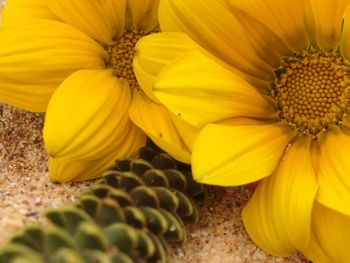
(264, 96)
(73, 60)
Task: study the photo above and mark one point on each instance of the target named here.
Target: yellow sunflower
(264, 97)
(73, 60)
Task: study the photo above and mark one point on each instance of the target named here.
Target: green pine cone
(126, 216)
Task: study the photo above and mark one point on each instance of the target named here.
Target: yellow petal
(315, 252)
(87, 114)
(157, 123)
(188, 132)
(30, 97)
(216, 29)
(331, 231)
(235, 155)
(310, 23)
(285, 18)
(36, 57)
(201, 91)
(67, 170)
(278, 216)
(101, 20)
(62, 170)
(154, 52)
(267, 45)
(345, 38)
(128, 147)
(333, 177)
(15, 10)
(142, 15)
(328, 17)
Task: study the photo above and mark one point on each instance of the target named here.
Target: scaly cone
(127, 216)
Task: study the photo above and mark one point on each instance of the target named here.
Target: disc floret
(311, 90)
(121, 54)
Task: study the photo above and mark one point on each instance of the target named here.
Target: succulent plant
(127, 216)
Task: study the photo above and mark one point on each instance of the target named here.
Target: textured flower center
(121, 55)
(312, 90)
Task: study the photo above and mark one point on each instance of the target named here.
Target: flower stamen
(121, 54)
(312, 90)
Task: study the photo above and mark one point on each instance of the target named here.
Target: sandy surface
(25, 190)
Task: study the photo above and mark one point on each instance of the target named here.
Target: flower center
(121, 54)
(312, 91)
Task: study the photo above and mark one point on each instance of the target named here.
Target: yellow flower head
(74, 61)
(261, 90)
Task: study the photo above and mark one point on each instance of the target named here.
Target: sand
(25, 191)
